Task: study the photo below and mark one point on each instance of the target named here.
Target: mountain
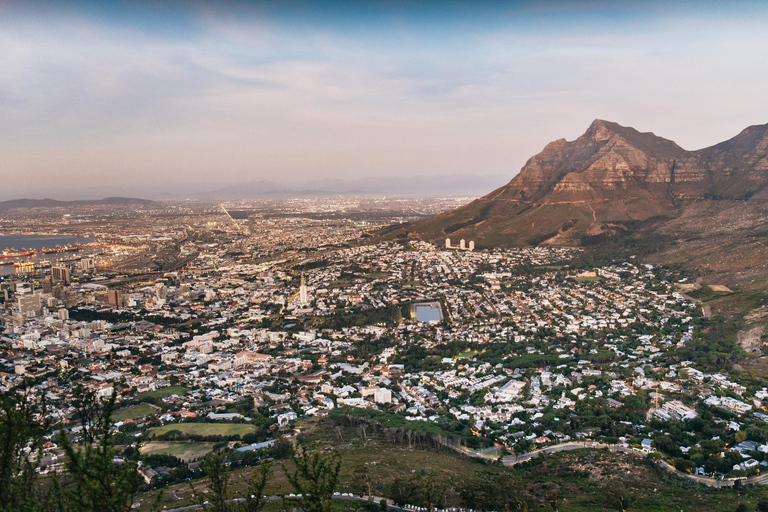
(457, 184)
(53, 203)
(611, 181)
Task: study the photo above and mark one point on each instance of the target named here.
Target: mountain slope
(611, 180)
(53, 203)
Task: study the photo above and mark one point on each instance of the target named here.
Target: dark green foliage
(315, 478)
(97, 483)
(218, 484)
(218, 497)
(498, 491)
(282, 449)
(93, 482)
(402, 491)
(617, 496)
(257, 485)
(19, 486)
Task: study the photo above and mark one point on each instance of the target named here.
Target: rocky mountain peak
(601, 130)
(608, 177)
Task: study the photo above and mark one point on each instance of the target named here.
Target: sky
(150, 97)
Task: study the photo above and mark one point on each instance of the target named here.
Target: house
(647, 445)
(224, 416)
(256, 446)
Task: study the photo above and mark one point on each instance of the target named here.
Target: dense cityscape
(210, 326)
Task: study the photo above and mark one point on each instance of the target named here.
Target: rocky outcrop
(609, 177)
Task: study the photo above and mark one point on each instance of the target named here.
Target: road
(704, 480)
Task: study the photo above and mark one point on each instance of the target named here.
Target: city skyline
(103, 98)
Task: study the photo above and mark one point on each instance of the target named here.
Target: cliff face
(611, 174)
(614, 162)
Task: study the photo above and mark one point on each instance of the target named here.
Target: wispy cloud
(241, 93)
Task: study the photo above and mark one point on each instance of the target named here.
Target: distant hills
(611, 181)
(454, 185)
(53, 203)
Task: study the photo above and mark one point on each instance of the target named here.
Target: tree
(363, 477)
(493, 491)
(315, 479)
(98, 484)
(255, 498)
(762, 506)
(550, 492)
(402, 491)
(282, 449)
(218, 498)
(617, 496)
(431, 494)
(218, 484)
(21, 437)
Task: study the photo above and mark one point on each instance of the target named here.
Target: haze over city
(166, 99)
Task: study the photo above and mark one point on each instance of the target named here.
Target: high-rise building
(47, 285)
(29, 304)
(447, 243)
(303, 298)
(471, 245)
(87, 263)
(462, 244)
(60, 273)
(114, 298)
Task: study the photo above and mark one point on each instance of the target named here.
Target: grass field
(164, 392)
(137, 411)
(184, 451)
(586, 279)
(379, 275)
(467, 354)
(206, 429)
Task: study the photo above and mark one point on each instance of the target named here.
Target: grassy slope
(579, 475)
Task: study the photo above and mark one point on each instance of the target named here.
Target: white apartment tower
(303, 291)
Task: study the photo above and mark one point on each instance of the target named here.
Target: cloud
(237, 94)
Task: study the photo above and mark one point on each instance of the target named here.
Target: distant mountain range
(462, 185)
(455, 185)
(53, 203)
(610, 181)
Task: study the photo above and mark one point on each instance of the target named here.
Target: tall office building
(114, 298)
(60, 273)
(87, 263)
(303, 298)
(29, 304)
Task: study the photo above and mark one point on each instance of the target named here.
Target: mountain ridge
(54, 203)
(610, 179)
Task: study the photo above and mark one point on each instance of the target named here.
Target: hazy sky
(110, 95)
